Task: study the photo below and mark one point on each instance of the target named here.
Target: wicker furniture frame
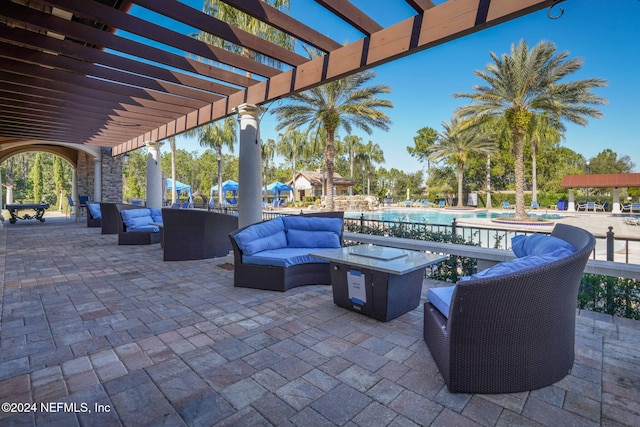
(196, 234)
(511, 333)
(274, 278)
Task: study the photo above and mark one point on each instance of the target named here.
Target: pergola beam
(437, 25)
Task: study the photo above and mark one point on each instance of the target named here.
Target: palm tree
(290, 145)
(341, 103)
(215, 136)
(527, 82)
(457, 143)
(371, 153)
(352, 145)
(268, 150)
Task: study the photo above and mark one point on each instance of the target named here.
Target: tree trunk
(534, 174)
(330, 168)
(172, 147)
(488, 170)
(518, 153)
(460, 180)
(220, 192)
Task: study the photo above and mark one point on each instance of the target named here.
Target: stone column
(97, 178)
(616, 208)
(154, 175)
(250, 167)
(572, 201)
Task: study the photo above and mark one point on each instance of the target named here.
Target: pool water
(436, 217)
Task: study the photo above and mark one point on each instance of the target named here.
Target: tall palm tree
(341, 103)
(525, 82)
(268, 151)
(289, 146)
(457, 142)
(352, 145)
(216, 136)
(370, 153)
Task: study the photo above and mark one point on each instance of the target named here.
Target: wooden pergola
(68, 75)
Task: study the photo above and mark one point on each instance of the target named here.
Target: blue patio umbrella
(228, 185)
(277, 186)
(180, 187)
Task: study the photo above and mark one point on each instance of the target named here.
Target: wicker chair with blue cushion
(511, 328)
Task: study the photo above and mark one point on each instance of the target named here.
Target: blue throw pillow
(94, 209)
(310, 223)
(539, 244)
(312, 239)
(262, 236)
(156, 214)
(136, 217)
(516, 264)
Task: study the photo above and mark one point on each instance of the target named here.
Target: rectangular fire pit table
(380, 282)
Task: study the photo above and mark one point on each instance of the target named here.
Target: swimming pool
(436, 217)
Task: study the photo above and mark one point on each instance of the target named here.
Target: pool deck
(140, 341)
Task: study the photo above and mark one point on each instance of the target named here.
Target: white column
(9, 196)
(154, 175)
(572, 201)
(97, 178)
(616, 208)
(249, 176)
(74, 189)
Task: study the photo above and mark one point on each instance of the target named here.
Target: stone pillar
(249, 175)
(571, 207)
(616, 208)
(97, 179)
(154, 175)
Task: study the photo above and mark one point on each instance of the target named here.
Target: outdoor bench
(190, 234)
(274, 255)
(511, 328)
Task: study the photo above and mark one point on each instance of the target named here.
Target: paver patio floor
(108, 335)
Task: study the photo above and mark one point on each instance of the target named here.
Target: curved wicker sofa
(276, 278)
(513, 332)
(196, 234)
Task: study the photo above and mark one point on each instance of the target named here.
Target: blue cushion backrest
(261, 237)
(94, 208)
(440, 298)
(316, 232)
(156, 215)
(136, 217)
(538, 244)
(517, 264)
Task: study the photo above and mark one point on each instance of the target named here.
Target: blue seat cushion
(94, 210)
(143, 228)
(539, 244)
(440, 298)
(319, 232)
(135, 218)
(262, 236)
(283, 257)
(517, 264)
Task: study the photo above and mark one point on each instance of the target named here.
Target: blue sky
(603, 32)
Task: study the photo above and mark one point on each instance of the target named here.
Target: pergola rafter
(91, 72)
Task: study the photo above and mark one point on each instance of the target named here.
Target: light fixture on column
(125, 159)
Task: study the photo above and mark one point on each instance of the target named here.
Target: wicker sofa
(278, 277)
(512, 332)
(190, 234)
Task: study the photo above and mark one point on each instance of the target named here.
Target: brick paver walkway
(97, 334)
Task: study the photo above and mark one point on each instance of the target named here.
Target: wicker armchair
(196, 234)
(514, 332)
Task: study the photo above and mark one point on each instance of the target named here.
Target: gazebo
(609, 180)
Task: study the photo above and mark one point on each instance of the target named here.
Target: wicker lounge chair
(513, 332)
(190, 234)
